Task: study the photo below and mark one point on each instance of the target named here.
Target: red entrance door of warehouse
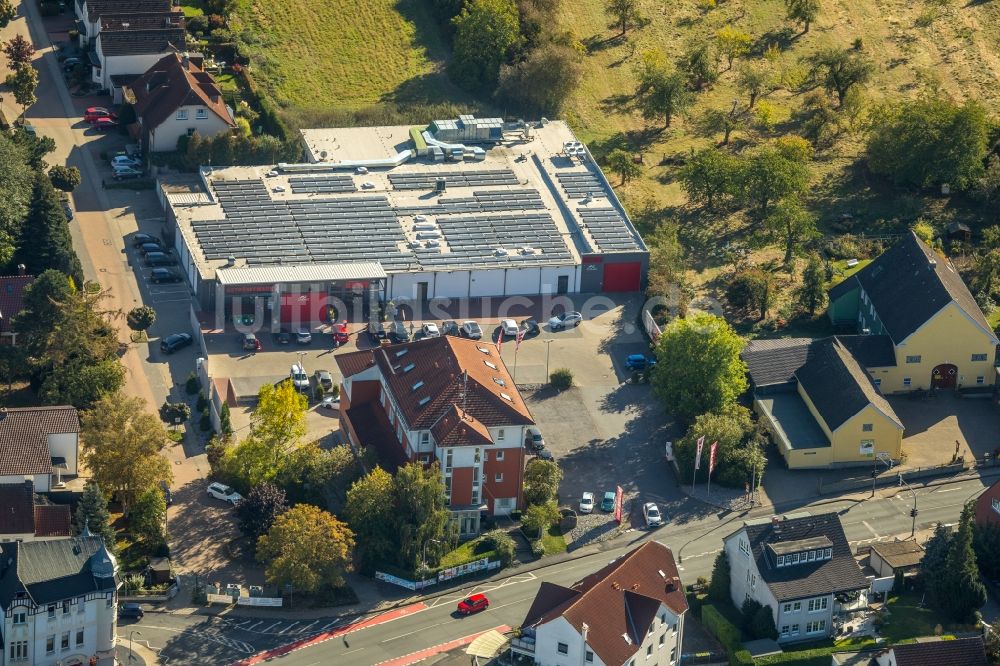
(622, 277)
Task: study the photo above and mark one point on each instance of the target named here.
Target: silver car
(565, 320)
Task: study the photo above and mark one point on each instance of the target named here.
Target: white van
(300, 380)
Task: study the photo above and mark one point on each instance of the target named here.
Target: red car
(105, 124)
(340, 335)
(95, 112)
(474, 604)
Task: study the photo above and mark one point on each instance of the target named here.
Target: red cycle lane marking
(420, 655)
(388, 616)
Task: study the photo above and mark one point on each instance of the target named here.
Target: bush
(202, 402)
(64, 178)
(748, 611)
(537, 548)
(169, 411)
(226, 420)
(561, 379)
(205, 422)
(762, 625)
(192, 384)
(503, 544)
(197, 25)
(539, 517)
(725, 631)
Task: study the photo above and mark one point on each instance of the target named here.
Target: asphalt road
(695, 538)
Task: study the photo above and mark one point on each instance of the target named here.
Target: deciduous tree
(710, 175)
(699, 367)
(752, 289)
(541, 481)
(733, 43)
(718, 121)
(19, 52)
(92, 513)
(64, 178)
(538, 518)
(620, 162)
(307, 548)
(738, 451)
(624, 13)
(667, 264)
(486, 33)
(540, 84)
(812, 293)
(319, 476)
(422, 519)
(256, 513)
(42, 308)
(140, 318)
(753, 79)
(148, 515)
(772, 173)
(792, 225)
(700, 64)
(369, 512)
(121, 447)
(838, 70)
(23, 84)
(7, 13)
(662, 91)
(803, 12)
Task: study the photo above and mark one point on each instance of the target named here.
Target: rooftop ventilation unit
(500, 252)
(425, 226)
(433, 244)
(231, 260)
(423, 235)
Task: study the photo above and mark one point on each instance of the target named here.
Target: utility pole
(913, 511)
(547, 348)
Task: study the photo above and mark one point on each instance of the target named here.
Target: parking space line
(288, 628)
(264, 631)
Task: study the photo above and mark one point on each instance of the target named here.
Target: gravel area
(596, 527)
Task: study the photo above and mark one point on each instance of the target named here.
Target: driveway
(932, 427)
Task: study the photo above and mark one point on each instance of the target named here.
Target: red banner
(697, 455)
(711, 458)
(618, 504)
(520, 337)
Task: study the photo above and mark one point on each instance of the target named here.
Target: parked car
(300, 380)
(474, 604)
(565, 320)
(164, 275)
(430, 330)
(127, 173)
(471, 330)
(68, 210)
(378, 331)
(608, 503)
(533, 439)
(250, 342)
(282, 337)
(530, 327)
(69, 64)
(639, 362)
(340, 334)
(544, 454)
(651, 513)
(331, 402)
(223, 492)
(508, 327)
(449, 327)
(104, 124)
(124, 161)
(303, 336)
(160, 259)
(130, 610)
(397, 333)
(154, 246)
(172, 343)
(587, 503)
(139, 240)
(324, 379)
(93, 113)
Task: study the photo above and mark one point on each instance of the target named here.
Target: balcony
(523, 644)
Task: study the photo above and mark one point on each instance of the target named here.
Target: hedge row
(270, 120)
(727, 633)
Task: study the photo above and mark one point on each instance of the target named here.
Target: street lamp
(913, 511)
(547, 348)
(134, 631)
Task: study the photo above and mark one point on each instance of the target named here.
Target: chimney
(3, 413)
(186, 61)
(21, 269)
(776, 526)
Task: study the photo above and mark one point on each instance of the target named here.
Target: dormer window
(802, 551)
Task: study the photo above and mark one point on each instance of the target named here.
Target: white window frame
(980, 380)
(201, 114)
(181, 114)
(499, 456)
(562, 648)
(907, 381)
(501, 434)
(996, 504)
(498, 477)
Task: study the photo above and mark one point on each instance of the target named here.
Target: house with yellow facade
(818, 402)
(917, 300)
(917, 327)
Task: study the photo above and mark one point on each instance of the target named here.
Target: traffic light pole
(913, 511)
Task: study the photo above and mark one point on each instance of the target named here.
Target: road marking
(264, 631)
(388, 616)
(250, 628)
(209, 635)
(948, 490)
(288, 628)
(420, 655)
(415, 631)
(865, 523)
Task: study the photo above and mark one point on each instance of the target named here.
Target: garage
(623, 277)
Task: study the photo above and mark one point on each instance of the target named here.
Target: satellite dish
(323, 154)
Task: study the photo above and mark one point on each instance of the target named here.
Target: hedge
(727, 633)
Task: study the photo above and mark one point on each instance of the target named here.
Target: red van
(473, 604)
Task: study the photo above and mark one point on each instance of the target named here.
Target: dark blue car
(639, 362)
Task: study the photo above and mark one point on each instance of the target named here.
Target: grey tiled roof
(908, 284)
(959, 652)
(141, 42)
(872, 351)
(24, 447)
(841, 573)
(49, 571)
(771, 362)
(837, 385)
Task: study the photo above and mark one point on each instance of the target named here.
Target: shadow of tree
(780, 37)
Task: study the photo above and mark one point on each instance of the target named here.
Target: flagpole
(515, 362)
(708, 489)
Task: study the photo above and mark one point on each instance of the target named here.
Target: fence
(484, 564)
(652, 329)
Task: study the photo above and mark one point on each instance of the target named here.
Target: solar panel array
(265, 231)
(473, 240)
(425, 181)
(481, 201)
(321, 184)
(608, 229)
(578, 185)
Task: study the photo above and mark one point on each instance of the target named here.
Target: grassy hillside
(321, 55)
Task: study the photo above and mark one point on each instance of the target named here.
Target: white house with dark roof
(59, 601)
(801, 567)
(629, 613)
(37, 444)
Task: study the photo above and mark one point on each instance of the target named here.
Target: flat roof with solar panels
(461, 194)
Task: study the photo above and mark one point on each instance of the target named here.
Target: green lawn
(841, 272)
(227, 82)
(466, 552)
(907, 619)
(193, 8)
(994, 318)
(553, 541)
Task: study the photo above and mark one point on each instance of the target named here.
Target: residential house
(958, 652)
(128, 45)
(59, 602)
(12, 289)
(175, 98)
(30, 517)
(801, 567)
(988, 506)
(89, 13)
(820, 405)
(889, 558)
(37, 443)
(916, 300)
(630, 612)
(444, 401)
